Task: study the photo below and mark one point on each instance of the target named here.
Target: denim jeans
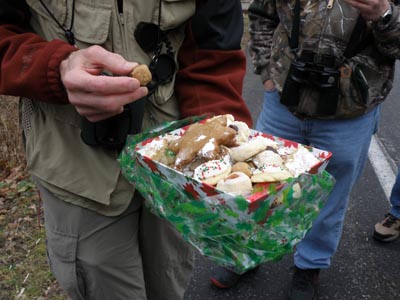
(348, 140)
(395, 197)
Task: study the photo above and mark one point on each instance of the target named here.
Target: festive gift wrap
(236, 231)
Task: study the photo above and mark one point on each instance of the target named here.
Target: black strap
(67, 31)
(294, 37)
(358, 39)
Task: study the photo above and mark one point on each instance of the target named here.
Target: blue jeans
(395, 197)
(348, 140)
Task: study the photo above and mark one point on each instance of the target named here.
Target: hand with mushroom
(95, 96)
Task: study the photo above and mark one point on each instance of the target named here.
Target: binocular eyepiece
(322, 60)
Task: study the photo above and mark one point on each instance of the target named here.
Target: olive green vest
(75, 172)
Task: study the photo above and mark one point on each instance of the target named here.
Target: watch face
(386, 18)
(387, 15)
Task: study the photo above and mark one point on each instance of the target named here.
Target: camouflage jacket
(365, 78)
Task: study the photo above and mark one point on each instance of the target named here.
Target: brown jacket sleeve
(211, 81)
(30, 65)
(212, 65)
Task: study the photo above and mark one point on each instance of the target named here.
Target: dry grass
(24, 272)
(11, 148)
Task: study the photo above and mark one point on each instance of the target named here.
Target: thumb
(112, 62)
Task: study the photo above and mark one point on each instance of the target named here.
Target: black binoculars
(316, 73)
(111, 133)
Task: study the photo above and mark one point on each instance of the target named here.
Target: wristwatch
(384, 20)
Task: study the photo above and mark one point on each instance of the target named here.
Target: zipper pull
(121, 17)
(330, 4)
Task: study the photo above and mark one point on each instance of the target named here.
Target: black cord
(159, 40)
(294, 36)
(68, 32)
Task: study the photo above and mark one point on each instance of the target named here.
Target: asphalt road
(362, 268)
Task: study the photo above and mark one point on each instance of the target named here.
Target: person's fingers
(100, 84)
(99, 57)
(269, 85)
(90, 103)
(371, 10)
(358, 4)
(97, 96)
(78, 69)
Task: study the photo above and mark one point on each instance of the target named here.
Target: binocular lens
(163, 68)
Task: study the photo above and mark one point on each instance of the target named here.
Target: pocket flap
(174, 13)
(92, 22)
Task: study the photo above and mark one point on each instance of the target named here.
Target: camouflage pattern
(325, 31)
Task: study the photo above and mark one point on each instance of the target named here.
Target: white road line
(381, 165)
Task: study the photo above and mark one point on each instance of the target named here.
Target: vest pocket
(174, 13)
(56, 7)
(91, 22)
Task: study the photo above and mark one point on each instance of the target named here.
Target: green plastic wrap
(231, 231)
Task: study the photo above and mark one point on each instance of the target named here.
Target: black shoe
(224, 278)
(304, 284)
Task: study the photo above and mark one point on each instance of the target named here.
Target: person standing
(326, 67)
(70, 61)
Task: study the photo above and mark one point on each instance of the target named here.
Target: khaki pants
(135, 256)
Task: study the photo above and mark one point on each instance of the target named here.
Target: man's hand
(269, 85)
(371, 10)
(95, 96)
